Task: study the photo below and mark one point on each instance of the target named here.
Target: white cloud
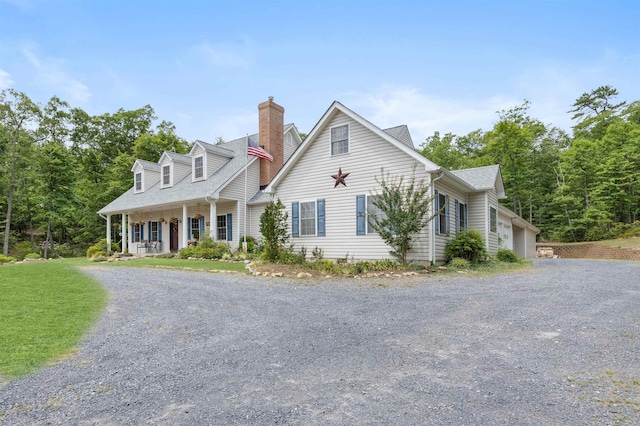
(394, 105)
(5, 80)
(51, 73)
(220, 55)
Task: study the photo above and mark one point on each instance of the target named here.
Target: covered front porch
(169, 228)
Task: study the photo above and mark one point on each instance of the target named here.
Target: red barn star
(340, 177)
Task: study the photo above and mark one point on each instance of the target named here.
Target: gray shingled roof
(178, 157)
(216, 149)
(401, 133)
(260, 197)
(479, 177)
(149, 165)
(184, 190)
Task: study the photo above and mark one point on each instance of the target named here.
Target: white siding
(253, 222)
(149, 177)
(310, 179)
(180, 170)
(505, 232)
(290, 145)
(235, 190)
(492, 239)
(214, 163)
(441, 240)
(478, 213)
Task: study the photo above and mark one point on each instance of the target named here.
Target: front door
(173, 235)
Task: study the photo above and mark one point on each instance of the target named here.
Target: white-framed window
(462, 216)
(138, 182)
(166, 175)
(340, 140)
(198, 167)
(442, 213)
(195, 228)
(154, 231)
(308, 218)
(137, 228)
(221, 225)
(373, 213)
(493, 219)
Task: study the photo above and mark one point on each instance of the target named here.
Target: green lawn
(45, 309)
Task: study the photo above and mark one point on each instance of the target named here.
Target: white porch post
(124, 233)
(185, 226)
(108, 233)
(213, 221)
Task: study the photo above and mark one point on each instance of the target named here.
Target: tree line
(583, 186)
(59, 165)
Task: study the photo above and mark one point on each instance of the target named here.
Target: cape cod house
(327, 184)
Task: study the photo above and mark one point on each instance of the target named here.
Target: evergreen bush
(467, 245)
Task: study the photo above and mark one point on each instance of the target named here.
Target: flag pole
(246, 164)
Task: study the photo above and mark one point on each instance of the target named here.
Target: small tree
(273, 227)
(404, 212)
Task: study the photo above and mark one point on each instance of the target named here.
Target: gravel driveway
(556, 344)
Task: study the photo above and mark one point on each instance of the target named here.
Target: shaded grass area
(184, 264)
(45, 309)
(631, 242)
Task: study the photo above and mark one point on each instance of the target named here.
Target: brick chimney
(271, 123)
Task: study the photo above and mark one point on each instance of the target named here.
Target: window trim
(136, 182)
(493, 219)
(369, 229)
(218, 227)
(461, 216)
(193, 220)
(315, 218)
(170, 175)
(442, 214)
(331, 142)
(195, 168)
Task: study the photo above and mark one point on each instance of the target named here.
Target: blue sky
(433, 65)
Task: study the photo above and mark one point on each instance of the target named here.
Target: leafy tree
(18, 115)
(405, 211)
(273, 227)
(594, 111)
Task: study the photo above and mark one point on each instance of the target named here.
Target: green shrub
(385, 265)
(72, 250)
(506, 255)
(5, 259)
(251, 244)
(206, 249)
(459, 263)
(99, 249)
(467, 245)
(32, 256)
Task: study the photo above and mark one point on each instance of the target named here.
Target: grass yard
(45, 309)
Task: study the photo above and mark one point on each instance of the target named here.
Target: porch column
(185, 226)
(124, 233)
(213, 221)
(108, 233)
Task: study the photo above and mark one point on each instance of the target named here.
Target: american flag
(256, 151)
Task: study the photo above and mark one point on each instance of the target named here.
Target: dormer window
(166, 175)
(198, 167)
(138, 182)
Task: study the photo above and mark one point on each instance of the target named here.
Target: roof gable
(483, 178)
(214, 149)
(172, 156)
(145, 165)
(335, 108)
